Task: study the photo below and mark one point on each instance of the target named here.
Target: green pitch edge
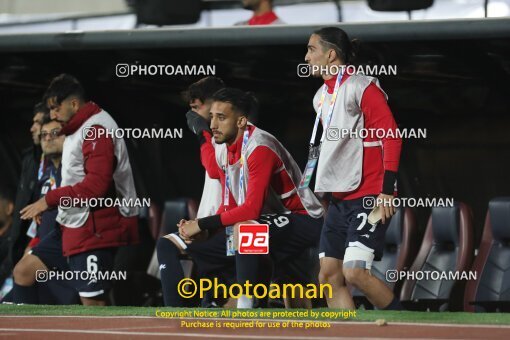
(361, 315)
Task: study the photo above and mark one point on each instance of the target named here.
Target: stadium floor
(78, 322)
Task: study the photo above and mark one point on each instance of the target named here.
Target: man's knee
(21, 274)
(163, 243)
(356, 265)
(25, 270)
(331, 272)
(168, 245)
(355, 276)
(328, 275)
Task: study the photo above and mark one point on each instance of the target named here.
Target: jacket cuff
(51, 198)
(390, 177)
(210, 223)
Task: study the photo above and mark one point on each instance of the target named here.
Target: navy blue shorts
(211, 257)
(346, 225)
(293, 242)
(49, 251)
(290, 235)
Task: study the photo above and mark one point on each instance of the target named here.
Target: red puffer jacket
(104, 227)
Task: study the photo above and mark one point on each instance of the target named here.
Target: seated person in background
(49, 177)
(199, 96)
(27, 185)
(6, 210)
(45, 248)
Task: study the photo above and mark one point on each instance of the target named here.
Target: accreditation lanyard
(52, 181)
(229, 231)
(50, 184)
(332, 102)
(40, 171)
(226, 191)
(314, 151)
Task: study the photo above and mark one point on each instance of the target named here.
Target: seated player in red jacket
(94, 166)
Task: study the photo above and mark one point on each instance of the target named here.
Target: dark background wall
(456, 89)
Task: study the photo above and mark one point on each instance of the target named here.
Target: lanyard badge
(314, 151)
(229, 231)
(40, 171)
(313, 157)
(231, 249)
(32, 230)
(52, 182)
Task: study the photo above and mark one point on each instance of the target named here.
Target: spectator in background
(262, 13)
(45, 248)
(26, 192)
(52, 145)
(6, 212)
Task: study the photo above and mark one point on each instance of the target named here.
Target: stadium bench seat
(400, 248)
(134, 259)
(491, 291)
(152, 216)
(447, 247)
(174, 211)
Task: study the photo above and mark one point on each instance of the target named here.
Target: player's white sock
(245, 302)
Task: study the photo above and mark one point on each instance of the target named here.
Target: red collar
(263, 19)
(234, 150)
(330, 83)
(84, 113)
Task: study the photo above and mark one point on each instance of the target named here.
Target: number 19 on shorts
(253, 239)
